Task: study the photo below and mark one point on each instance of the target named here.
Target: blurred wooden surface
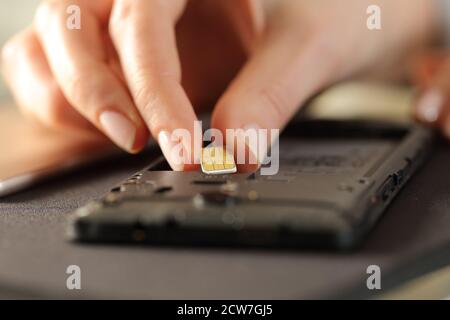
(27, 147)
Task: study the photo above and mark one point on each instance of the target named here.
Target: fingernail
(429, 106)
(119, 129)
(171, 150)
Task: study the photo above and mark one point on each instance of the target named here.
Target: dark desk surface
(34, 253)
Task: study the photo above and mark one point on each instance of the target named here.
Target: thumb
(282, 73)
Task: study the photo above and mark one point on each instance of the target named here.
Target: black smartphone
(335, 180)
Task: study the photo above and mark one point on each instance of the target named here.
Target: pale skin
(142, 68)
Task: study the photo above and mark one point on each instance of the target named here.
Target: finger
(424, 67)
(144, 36)
(247, 18)
(33, 85)
(444, 120)
(282, 73)
(433, 105)
(78, 59)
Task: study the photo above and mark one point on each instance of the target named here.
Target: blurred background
(14, 16)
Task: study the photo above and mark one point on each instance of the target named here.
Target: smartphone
(336, 178)
(30, 153)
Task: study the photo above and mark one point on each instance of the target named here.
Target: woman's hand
(122, 70)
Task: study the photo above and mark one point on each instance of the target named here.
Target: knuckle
(78, 86)
(18, 46)
(78, 89)
(18, 50)
(145, 92)
(126, 10)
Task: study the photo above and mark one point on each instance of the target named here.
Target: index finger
(143, 33)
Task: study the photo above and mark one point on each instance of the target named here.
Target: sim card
(217, 160)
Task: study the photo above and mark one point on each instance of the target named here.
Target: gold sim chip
(217, 160)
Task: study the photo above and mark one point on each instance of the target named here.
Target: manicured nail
(429, 106)
(119, 129)
(171, 150)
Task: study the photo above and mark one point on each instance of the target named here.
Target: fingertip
(429, 106)
(170, 150)
(141, 140)
(122, 131)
